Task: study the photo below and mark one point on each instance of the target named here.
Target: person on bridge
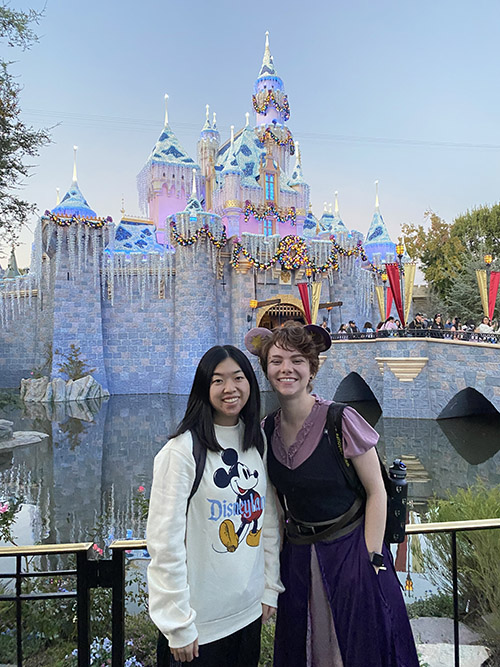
(342, 605)
(212, 531)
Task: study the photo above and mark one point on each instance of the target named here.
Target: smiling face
(229, 392)
(288, 371)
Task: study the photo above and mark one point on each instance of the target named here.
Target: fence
(464, 336)
(111, 574)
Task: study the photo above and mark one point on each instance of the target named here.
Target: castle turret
(165, 180)
(208, 147)
(272, 111)
(378, 239)
(231, 175)
(74, 238)
(298, 184)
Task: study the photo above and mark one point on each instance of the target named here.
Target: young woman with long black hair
(214, 572)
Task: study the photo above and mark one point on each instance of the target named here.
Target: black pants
(241, 649)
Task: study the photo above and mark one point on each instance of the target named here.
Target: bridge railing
(467, 336)
(111, 574)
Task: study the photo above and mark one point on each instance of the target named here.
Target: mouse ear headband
(256, 337)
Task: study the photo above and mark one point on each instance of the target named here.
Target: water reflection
(94, 460)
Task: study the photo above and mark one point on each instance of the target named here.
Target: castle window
(268, 227)
(270, 187)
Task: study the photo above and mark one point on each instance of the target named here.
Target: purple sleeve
(358, 435)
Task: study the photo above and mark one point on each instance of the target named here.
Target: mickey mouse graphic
(249, 503)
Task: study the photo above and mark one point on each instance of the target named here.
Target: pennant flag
(393, 275)
(483, 289)
(316, 293)
(492, 296)
(379, 293)
(304, 295)
(389, 303)
(409, 282)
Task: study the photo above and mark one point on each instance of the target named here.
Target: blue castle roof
(378, 239)
(74, 203)
(247, 153)
(168, 150)
(135, 236)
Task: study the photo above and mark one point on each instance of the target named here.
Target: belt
(302, 532)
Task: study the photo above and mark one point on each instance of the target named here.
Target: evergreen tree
(17, 140)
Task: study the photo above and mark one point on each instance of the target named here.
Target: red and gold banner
(304, 295)
(393, 275)
(493, 291)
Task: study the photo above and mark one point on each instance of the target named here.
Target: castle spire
(193, 191)
(58, 196)
(214, 121)
(377, 206)
(336, 204)
(75, 148)
(166, 109)
(267, 67)
(207, 125)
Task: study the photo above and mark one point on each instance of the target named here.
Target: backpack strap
(200, 457)
(334, 429)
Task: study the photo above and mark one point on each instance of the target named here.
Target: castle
(225, 243)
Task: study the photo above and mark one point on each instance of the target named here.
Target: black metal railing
(111, 574)
(467, 336)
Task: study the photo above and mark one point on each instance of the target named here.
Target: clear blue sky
(403, 92)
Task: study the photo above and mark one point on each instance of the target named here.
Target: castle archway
(354, 388)
(466, 403)
(276, 314)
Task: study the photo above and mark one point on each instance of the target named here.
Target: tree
(438, 251)
(479, 229)
(17, 140)
(463, 298)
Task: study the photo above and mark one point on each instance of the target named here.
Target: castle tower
(298, 184)
(75, 239)
(378, 239)
(231, 175)
(208, 147)
(272, 112)
(164, 183)
(195, 327)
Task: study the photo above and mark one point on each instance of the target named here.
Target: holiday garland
(292, 253)
(260, 213)
(269, 98)
(66, 221)
(201, 231)
(288, 141)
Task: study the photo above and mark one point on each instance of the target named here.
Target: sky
(401, 92)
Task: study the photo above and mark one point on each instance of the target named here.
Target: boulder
(434, 630)
(34, 390)
(58, 390)
(5, 429)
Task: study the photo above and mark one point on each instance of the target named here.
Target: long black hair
(199, 411)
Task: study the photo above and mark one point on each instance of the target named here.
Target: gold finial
(330, 208)
(75, 148)
(166, 109)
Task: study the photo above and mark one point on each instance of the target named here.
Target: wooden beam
(269, 302)
(330, 304)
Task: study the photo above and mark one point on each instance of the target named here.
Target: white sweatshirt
(204, 580)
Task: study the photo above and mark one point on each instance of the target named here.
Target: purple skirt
(336, 611)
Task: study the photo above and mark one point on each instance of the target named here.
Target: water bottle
(398, 496)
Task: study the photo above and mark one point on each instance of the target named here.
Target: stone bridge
(423, 378)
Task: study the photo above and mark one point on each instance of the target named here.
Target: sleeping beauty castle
(228, 242)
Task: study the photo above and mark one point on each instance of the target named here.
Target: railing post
(118, 609)
(456, 639)
(83, 608)
(19, 622)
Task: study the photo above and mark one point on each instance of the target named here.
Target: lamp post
(384, 282)
(400, 251)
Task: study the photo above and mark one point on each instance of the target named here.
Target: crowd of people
(421, 325)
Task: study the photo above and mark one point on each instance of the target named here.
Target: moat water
(82, 480)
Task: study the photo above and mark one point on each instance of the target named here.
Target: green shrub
(73, 366)
(478, 555)
(437, 604)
